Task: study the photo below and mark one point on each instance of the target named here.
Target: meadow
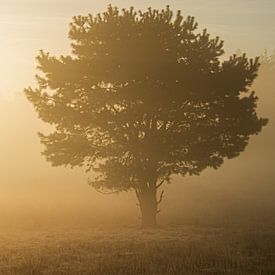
(186, 249)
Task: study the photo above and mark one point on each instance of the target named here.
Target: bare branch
(161, 197)
(107, 193)
(160, 184)
(137, 194)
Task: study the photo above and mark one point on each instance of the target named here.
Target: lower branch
(160, 197)
(106, 193)
(160, 184)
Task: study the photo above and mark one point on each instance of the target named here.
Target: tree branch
(160, 197)
(137, 194)
(107, 193)
(160, 184)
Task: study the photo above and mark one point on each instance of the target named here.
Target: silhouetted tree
(143, 97)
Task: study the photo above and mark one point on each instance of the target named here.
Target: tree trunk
(148, 206)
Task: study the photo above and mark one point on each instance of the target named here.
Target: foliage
(144, 96)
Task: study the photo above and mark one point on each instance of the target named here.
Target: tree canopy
(143, 96)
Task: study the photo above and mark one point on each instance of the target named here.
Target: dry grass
(184, 250)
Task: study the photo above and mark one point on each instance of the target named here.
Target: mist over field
(33, 194)
(92, 148)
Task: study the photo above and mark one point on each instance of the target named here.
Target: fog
(33, 194)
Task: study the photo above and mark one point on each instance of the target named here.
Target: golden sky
(29, 25)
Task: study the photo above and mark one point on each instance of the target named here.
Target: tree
(144, 96)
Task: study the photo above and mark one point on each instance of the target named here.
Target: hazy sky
(29, 25)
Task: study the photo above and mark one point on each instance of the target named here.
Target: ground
(170, 250)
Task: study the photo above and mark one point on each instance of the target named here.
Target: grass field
(171, 250)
